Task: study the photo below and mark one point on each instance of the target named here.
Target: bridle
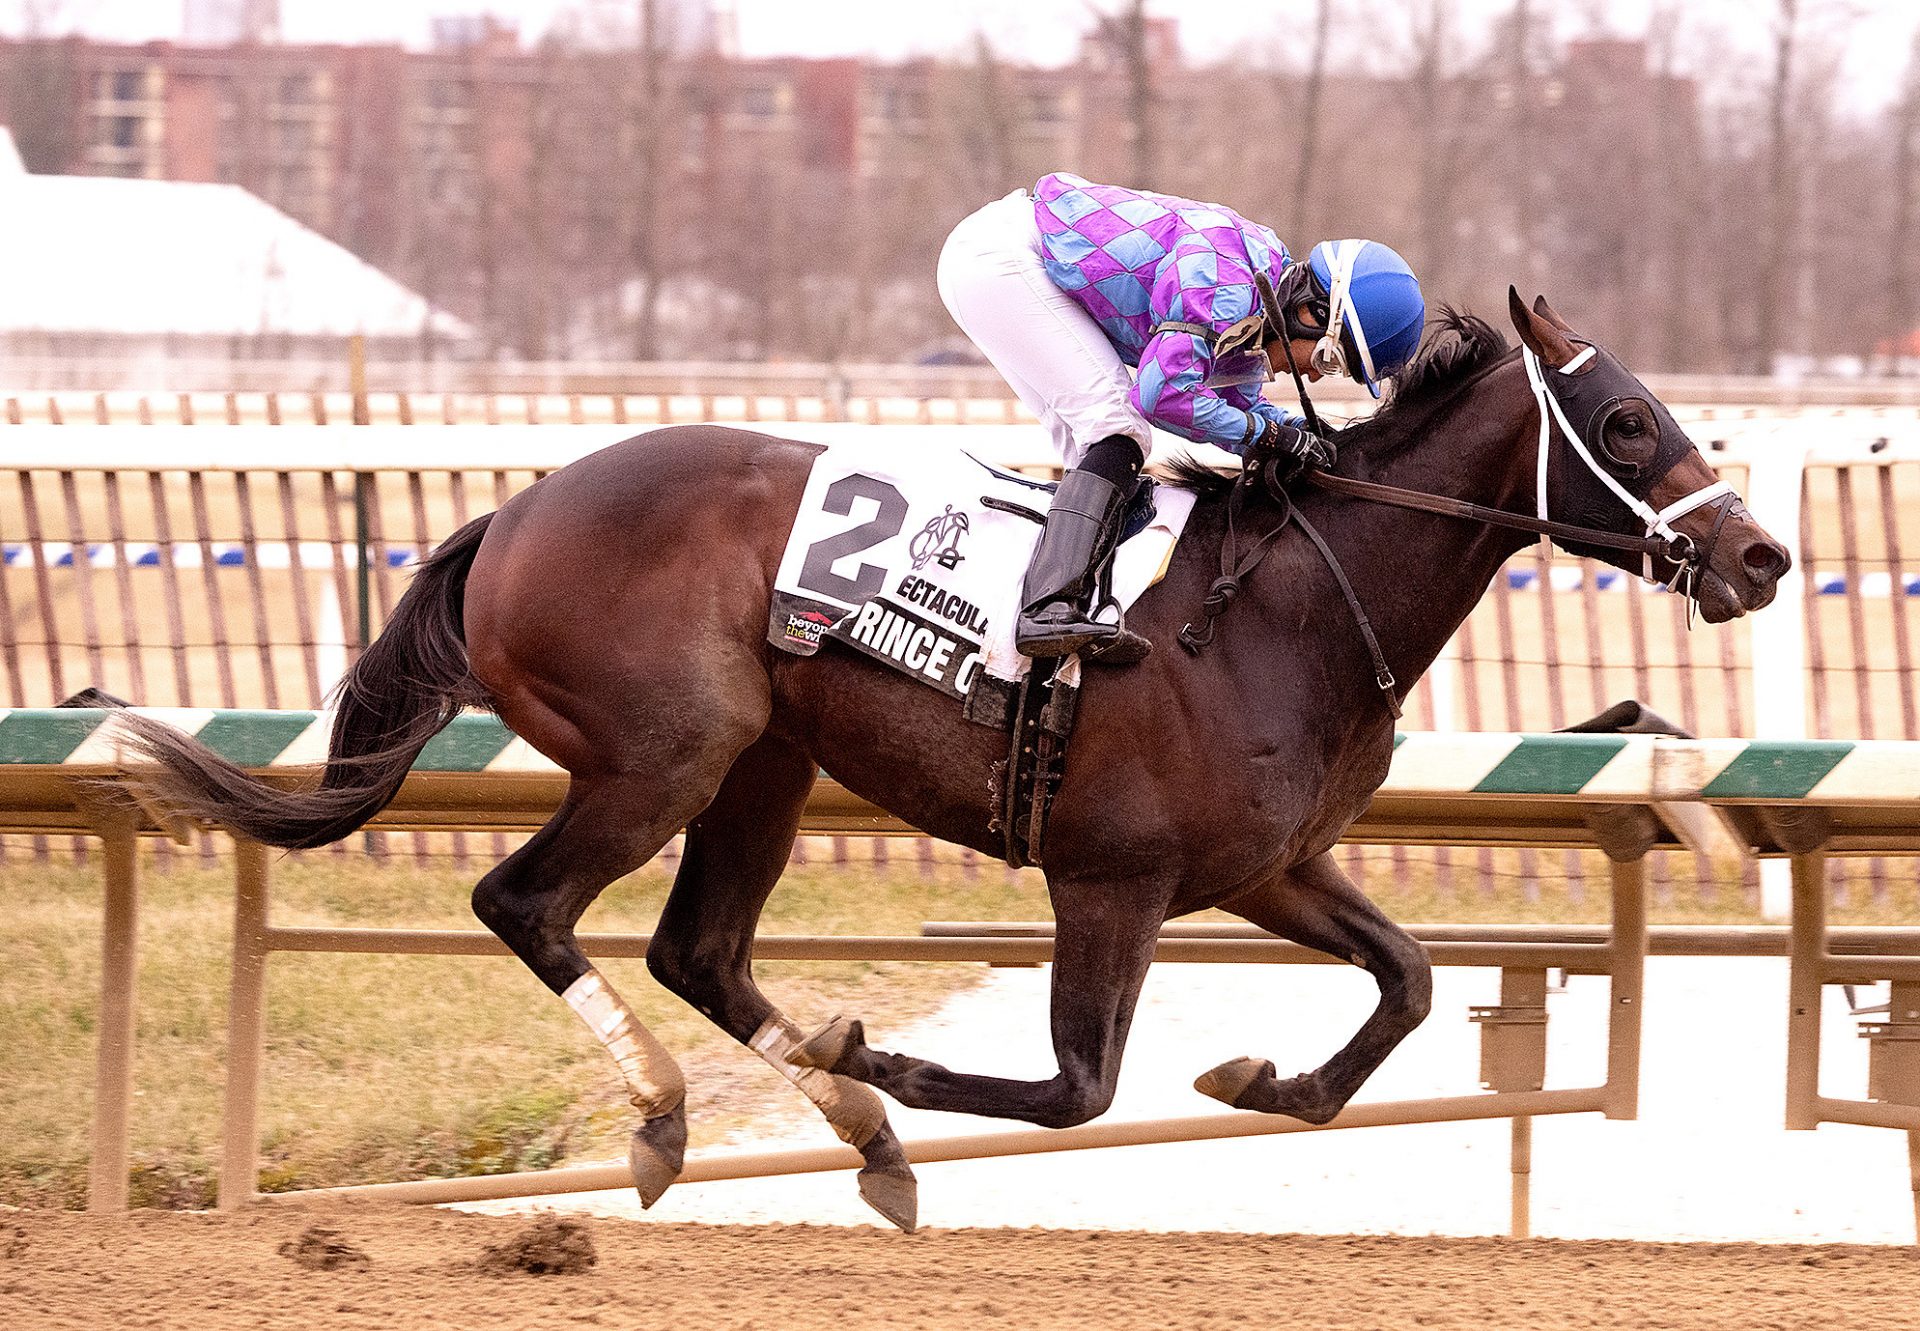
(1660, 540)
(1679, 548)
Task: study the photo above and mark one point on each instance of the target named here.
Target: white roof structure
(95, 254)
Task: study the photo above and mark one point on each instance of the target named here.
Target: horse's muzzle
(1744, 573)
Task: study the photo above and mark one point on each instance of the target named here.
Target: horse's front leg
(1104, 939)
(1317, 905)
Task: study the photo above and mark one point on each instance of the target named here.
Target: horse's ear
(1540, 337)
(1546, 311)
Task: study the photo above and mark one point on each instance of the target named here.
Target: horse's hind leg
(607, 827)
(1317, 905)
(702, 950)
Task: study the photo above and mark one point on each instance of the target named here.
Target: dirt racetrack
(394, 1268)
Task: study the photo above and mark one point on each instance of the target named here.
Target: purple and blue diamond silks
(1135, 260)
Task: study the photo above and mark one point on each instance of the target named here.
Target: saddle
(915, 560)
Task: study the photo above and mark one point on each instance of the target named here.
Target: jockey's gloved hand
(1295, 449)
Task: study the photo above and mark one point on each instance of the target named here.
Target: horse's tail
(411, 681)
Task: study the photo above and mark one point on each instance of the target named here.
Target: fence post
(363, 581)
(1443, 678)
(113, 1072)
(362, 481)
(246, 1027)
(1627, 970)
(1807, 971)
(1520, 1163)
(1776, 485)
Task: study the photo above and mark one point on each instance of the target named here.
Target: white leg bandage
(654, 1081)
(854, 1110)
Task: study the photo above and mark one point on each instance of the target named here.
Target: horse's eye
(1629, 437)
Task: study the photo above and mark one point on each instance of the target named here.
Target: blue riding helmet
(1375, 312)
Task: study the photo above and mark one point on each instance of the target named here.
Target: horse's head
(1613, 458)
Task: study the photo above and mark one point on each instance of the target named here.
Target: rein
(1660, 542)
(1421, 501)
(1233, 570)
(1227, 586)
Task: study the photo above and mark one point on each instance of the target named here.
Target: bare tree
(1438, 136)
(1825, 170)
(1901, 315)
(647, 110)
(980, 112)
(1678, 203)
(1312, 94)
(1123, 38)
(1524, 121)
(484, 211)
(561, 200)
(541, 205)
(1783, 187)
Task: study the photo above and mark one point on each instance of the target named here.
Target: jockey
(1066, 287)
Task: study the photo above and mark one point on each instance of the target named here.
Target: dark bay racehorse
(615, 613)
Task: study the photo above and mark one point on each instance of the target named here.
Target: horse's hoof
(887, 1183)
(1247, 1083)
(826, 1047)
(658, 1149)
(1228, 1082)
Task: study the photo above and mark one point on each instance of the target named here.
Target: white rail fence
(243, 566)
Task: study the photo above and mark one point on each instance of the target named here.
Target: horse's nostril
(1765, 561)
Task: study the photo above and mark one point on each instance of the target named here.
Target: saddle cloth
(897, 556)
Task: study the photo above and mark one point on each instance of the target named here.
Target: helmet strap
(1329, 354)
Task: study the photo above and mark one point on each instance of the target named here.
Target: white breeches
(1051, 352)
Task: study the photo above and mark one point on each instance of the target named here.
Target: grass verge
(407, 1067)
(400, 1067)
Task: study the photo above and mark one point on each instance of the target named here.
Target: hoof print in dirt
(321, 1249)
(549, 1246)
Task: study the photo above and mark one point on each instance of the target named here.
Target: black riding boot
(1083, 525)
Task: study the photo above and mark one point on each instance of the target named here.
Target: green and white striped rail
(87, 737)
(1608, 768)
(1658, 768)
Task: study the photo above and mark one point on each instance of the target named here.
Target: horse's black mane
(1455, 350)
(1456, 347)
